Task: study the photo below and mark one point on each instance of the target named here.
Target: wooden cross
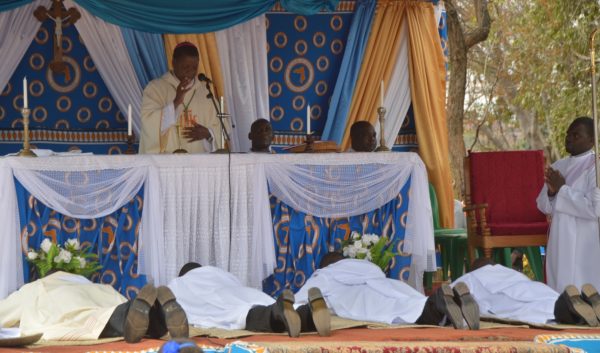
(61, 17)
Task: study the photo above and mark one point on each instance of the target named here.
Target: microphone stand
(220, 116)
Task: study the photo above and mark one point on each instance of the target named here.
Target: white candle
(129, 127)
(381, 93)
(221, 105)
(308, 119)
(25, 103)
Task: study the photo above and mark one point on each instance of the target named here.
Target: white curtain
(18, 28)
(343, 185)
(80, 187)
(243, 55)
(104, 42)
(397, 97)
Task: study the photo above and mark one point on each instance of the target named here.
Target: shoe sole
(452, 309)
(138, 316)
(580, 307)
(292, 319)
(175, 317)
(593, 298)
(320, 312)
(468, 305)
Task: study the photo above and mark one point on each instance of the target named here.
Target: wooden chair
(501, 189)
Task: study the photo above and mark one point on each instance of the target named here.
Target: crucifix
(61, 17)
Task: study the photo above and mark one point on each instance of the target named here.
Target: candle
(221, 104)
(381, 93)
(308, 119)
(129, 120)
(25, 103)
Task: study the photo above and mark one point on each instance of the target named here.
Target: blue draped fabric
(147, 53)
(341, 100)
(113, 238)
(6, 5)
(190, 16)
(302, 240)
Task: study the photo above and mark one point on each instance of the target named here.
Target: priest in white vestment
(508, 294)
(359, 290)
(212, 297)
(571, 198)
(176, 113)
(62, 306)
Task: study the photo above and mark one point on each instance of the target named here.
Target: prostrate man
(179, 99)
(571, 197)
(261, 135)
(68, 307)
(363, 137)
(212, 297)
(359, 290)
(508, 294)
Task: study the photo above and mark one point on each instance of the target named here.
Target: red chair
(501, 189)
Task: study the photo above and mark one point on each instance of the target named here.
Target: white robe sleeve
(153, 108)
(545, 203)
(575, 203)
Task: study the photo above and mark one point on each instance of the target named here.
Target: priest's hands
(182, 88)
(196, 133)
(554, 181)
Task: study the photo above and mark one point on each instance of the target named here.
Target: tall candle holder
(382, 145)
(310, 140)
(26, 151)
(130, 141)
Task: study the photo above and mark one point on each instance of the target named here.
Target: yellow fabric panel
(210, 64)
(378, 64)
(428, 92)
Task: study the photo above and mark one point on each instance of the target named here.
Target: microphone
(202, 78)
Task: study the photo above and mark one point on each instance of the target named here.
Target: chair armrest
(473, 223)
(475, 207)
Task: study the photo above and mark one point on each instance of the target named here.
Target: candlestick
(381, 93)
(308, 119)
(221, 105)
(382, 145)
(129, 127)
(25, 101)
(26, 151)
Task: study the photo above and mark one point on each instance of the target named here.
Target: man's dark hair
(357, 128)
(330, 258)
(188, 267)
(182, 50)
(587, 122)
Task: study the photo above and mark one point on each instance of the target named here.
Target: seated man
(261, 135)
(212, 297)
(363, 137)
(65, 306)
(505, 293)
(359, 290)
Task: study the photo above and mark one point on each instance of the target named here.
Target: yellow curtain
(210, 64)
(378, 63)
(428, 92)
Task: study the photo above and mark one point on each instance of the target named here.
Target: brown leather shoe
(138, 316)
(175, 318)
(590, 295)
(579, 307)
(468, 305)
(320, 312)
(285, 312)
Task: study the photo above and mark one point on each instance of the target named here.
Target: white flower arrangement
(370, 247)
(70, 258)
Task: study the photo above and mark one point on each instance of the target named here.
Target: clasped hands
(554, 180)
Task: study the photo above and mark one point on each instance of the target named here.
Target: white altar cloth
(186, 214)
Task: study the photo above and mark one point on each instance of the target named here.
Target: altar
(213, 209)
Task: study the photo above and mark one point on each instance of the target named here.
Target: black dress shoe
(175, 318)
(320, 312)
(468, 305)
(445, 303)
(590, 295)
(579, 308)
(283, 312)
(138, 316)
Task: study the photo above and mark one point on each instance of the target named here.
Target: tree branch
(484, 22)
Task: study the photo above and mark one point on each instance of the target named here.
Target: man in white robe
(68, 307)
(571, 198)
(176, 113)
(359, 290)
(212, 297)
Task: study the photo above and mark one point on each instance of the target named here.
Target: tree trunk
(459, 42)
